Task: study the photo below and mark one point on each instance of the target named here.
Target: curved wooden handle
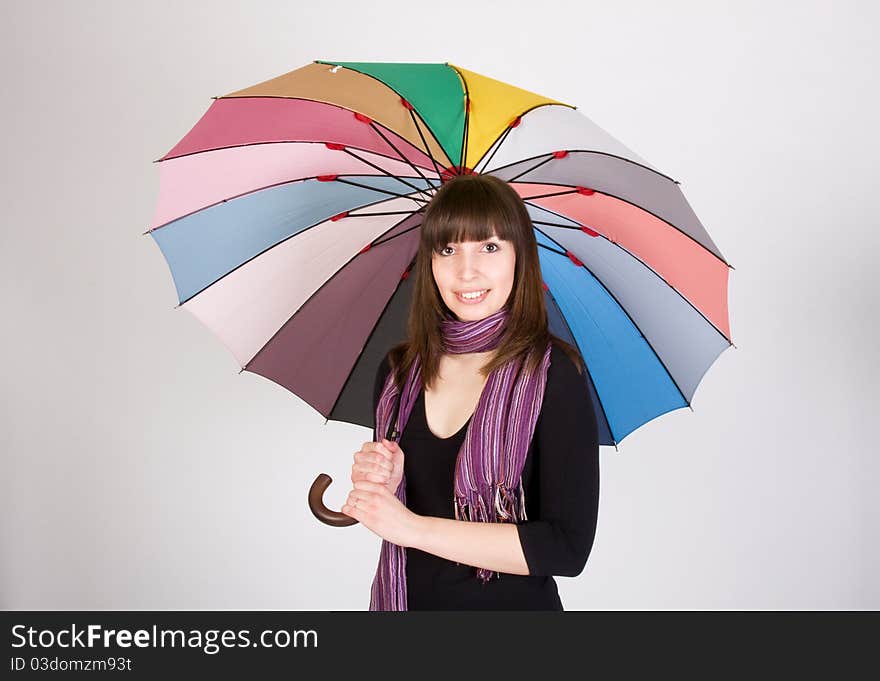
(321, 512)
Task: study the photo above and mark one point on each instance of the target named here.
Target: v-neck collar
(424, 410)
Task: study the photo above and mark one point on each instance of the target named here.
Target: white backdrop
(140, 470)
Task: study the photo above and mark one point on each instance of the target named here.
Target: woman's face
(475, 266)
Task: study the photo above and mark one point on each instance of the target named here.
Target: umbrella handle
(321, 512)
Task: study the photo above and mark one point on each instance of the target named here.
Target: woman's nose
(467, 266)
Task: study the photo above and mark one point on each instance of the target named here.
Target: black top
(561, 484)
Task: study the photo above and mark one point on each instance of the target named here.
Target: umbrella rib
(635, 205)
(305, 302)
(541, 196)
(467, 116)
(383, 191)
(254, 191)
(467, 125)
(378, 319)
(399, 153)
(395, 236)
(257, 255)
(586, 366)
(267, 142)
(259, 189)
(647, 266)
(528, 170)
(537, 106)
(427, 148)
(500, 141)
(366, 342)
(428, 127)
(590, 151)
(388, 212)
(385, 172)
(602, 284)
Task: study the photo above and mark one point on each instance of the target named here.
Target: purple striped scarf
(488, 470)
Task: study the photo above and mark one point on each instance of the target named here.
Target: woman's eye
(494, 246)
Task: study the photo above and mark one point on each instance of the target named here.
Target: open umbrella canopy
(289, 217)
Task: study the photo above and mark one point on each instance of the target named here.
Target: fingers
(362, 497)
(370, 472)
(352, 505)
(376, 462)
(378, 471)
(394, 448)
(373, 464)
(368, 486)
(374, 453)
(385, 447)
(378, 448)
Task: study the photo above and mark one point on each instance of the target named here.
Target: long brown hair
(474, 208)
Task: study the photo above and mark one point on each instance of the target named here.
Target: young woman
(493, 486)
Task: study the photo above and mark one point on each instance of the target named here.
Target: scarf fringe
(508, 506)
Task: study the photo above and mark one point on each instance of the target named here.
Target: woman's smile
(473, 297)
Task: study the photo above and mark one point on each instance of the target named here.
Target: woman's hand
(376, 474)
(380, 462)
(373, 505)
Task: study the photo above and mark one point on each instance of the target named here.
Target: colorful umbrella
(289, 217)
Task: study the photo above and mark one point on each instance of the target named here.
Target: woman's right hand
(380, 462)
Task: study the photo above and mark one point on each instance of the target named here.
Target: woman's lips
(473, 301)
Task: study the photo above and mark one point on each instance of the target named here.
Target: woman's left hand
(372, 505)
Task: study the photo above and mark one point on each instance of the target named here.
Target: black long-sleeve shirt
(561, 484)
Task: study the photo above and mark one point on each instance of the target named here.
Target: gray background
(141, 470)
